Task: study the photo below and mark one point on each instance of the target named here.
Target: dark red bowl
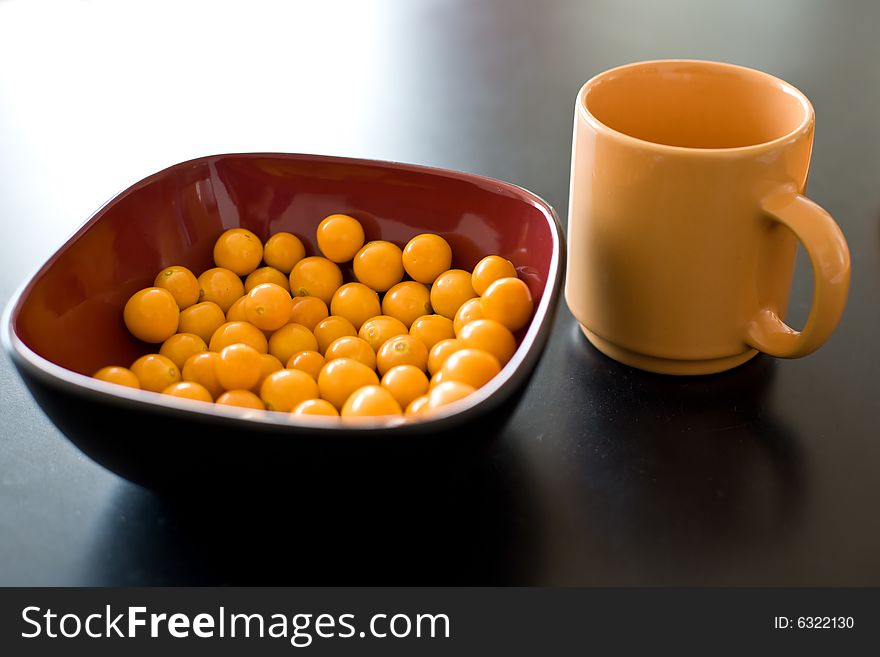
(66, 322)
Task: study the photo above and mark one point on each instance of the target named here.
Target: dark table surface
(765, 475)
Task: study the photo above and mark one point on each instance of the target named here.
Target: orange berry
(489, 270)
(379, 329)
(405, 382)
(221, 286)
(417, 406)
(331, 328)
(238, 250)
(236, 311)
(180, 346)
(441, 351)
(155, 372)
(340, 237)
(283, 251)
(268, 365)
(235, 332)
(181, 283)
(425, 257)
(308, 311)
(152, 314)
(352, 347)
(266, 275)
(469, 311)
(491, 336)
(472, 366)
(407, 302)
(447, 393)
(202, 319)
(508, 301)
(356, 302)
(289, 339)
(286, 389)
(119, 375)
(370, 401)
(315, 407)
(430, 329)
(315, 277)
(402, 350)
(189, 390)
(238, 367)
(268, 307)
(241, 399)
(308, 361)
(201, 368)
(437, 379)
(451, 289)
(341, 377)
(379, 265)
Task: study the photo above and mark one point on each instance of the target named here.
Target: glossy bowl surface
(66, 322)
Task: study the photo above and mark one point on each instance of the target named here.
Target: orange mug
(686, 205)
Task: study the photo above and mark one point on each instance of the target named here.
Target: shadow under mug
(686, 205)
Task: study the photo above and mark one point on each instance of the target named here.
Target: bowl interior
(71, 312)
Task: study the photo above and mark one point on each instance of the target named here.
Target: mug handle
(825, 245)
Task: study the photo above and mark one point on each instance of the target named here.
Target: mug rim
(803, 127)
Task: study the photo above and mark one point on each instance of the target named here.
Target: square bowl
(66, 322)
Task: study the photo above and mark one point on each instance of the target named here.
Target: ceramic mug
(686, 205)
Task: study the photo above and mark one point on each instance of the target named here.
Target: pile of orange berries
(271, 328)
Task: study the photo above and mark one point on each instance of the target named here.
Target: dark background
(768, 474)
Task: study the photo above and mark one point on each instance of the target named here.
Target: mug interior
(694, 104)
